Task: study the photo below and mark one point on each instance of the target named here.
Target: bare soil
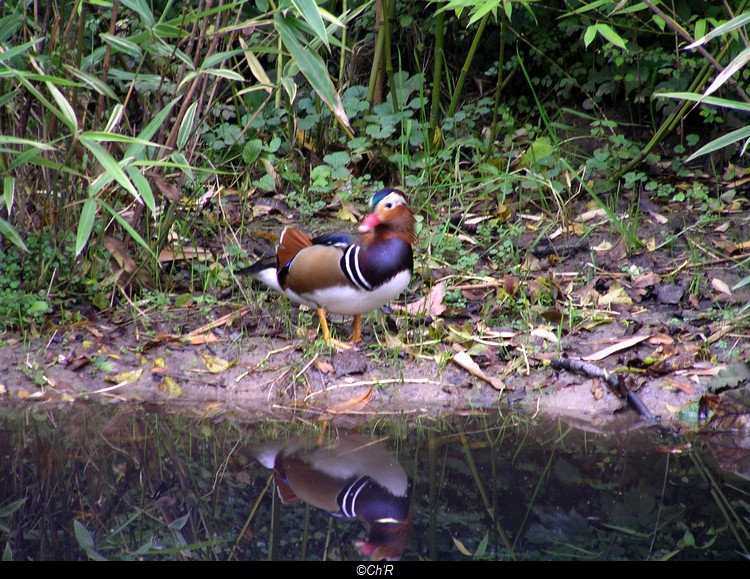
(253, 358)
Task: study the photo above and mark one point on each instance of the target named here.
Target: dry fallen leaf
(465, 361)
(545, 334)
(430, 305)
(215, 364)
(126, 377)
(324, 367)
(352, 405)
(623, 345)
(171, 387)
(615, 296)
(721, 286)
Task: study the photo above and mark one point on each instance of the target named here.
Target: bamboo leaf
(85, 224)
(7, 140)
(698, 98)
(733, 24)
(14, 51)
(186, 127)
(310, 12)
(114, 118)
(313, 69)
(7, 230)
(107, 161)
(611, 36)
(136, 149)
(9, 192)
(68, 114)
(721, 142)
(220, 57)
(93, 82)
(122, 45)
(739, 61)
(256, 68)
(224, 73)
(589, 35)
(129, 228)
(143, 187)
(141, 8)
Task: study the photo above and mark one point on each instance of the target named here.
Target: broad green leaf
(312, 67)
(186, 128)
(251, 151)
(7, 230)
(129, 228)
(122, 45)
(310, 12)
(85, 224)
(721, 142)
(68, 114)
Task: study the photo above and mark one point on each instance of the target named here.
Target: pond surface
(121, 481)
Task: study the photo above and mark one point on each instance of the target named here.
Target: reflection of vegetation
(125, 484)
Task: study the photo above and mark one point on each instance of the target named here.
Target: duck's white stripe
(351, 268)
(349, 497)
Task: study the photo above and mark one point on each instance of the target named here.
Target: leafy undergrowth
(654, 291)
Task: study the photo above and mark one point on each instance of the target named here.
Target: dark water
(119, 482)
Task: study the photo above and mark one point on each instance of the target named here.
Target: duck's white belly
(348, 300)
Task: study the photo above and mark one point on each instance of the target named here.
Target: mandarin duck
(353, 478)
(346, 274)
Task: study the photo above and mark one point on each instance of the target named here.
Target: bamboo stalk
(387, 14)
(376, 60)
(467, 64)
(437, 73)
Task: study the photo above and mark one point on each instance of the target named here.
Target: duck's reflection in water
(353, 477)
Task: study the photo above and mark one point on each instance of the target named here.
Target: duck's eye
(388, 205)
